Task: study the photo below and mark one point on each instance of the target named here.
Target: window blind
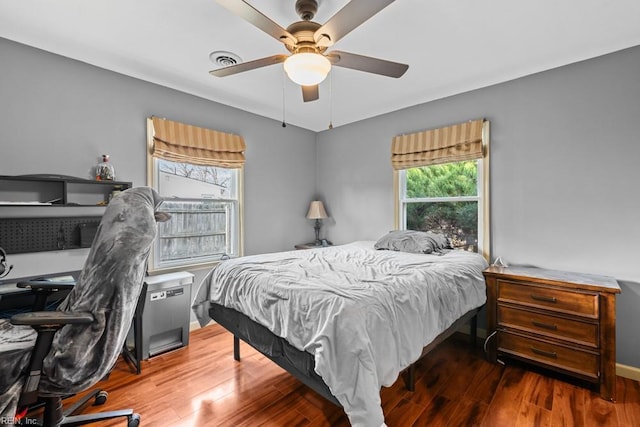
(435, 146)
(179, 142)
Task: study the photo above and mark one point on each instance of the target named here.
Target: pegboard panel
(21, 235)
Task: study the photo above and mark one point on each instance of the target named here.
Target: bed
(345, 320)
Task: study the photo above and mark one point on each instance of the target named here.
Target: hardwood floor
(201, 385)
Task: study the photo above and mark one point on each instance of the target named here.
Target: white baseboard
(630, 372)
(196, 325)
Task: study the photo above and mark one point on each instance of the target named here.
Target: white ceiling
(451, 46)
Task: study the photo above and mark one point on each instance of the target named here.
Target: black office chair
(49, 355)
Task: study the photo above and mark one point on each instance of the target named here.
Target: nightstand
(558, 320)
(310, 246)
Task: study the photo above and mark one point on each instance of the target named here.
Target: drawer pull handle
(545, 325)
(551, 354)
(543, 298)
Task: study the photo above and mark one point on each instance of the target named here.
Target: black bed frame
(301, 364)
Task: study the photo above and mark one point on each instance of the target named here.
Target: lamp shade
(316, 210)
(306, 68)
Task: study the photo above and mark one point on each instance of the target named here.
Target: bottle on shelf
(105, 170)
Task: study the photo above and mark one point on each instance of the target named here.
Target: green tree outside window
(456, 219)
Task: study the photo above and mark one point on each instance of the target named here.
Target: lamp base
(316, 227)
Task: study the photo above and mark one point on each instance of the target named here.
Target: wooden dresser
(555, 319)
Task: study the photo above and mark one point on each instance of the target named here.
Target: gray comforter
(364, 314)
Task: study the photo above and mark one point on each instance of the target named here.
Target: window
(441, 180)
(445, 198)
(198, 171)
(204, 202)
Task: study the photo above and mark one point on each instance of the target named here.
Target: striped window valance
(183, 143)
(435, 146)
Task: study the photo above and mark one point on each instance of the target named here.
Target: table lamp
(317, 212)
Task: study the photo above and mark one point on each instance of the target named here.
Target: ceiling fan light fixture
(306, 68)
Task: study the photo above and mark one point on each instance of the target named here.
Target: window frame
(152, 181)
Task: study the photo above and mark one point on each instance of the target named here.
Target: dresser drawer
(557, 327)
(571, 302)
(576, 361)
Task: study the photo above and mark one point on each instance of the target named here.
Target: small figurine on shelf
(105, 170)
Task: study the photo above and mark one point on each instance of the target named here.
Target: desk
(15, 300)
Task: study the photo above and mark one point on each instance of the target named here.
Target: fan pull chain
(330, 100)
(284, 124)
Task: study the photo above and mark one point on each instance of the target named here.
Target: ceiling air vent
(224, 59)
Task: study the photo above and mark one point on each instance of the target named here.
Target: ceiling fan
(309, 63)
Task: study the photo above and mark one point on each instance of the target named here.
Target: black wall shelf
(22, 233)
(56, 190)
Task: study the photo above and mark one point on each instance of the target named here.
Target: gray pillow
(417, 242)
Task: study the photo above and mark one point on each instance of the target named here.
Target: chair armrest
(46, 324)
(51, 318)
(46, 285)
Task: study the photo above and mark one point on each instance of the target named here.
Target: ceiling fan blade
(346, 19)
(255, 17)
(246, 66)
(310, 93)
(367, 63)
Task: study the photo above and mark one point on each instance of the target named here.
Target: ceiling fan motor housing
(303, 31)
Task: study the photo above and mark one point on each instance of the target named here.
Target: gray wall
(552, 206)
(58, 115)
(564, 173)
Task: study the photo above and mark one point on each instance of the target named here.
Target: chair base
(55, 415)
(133, 419)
